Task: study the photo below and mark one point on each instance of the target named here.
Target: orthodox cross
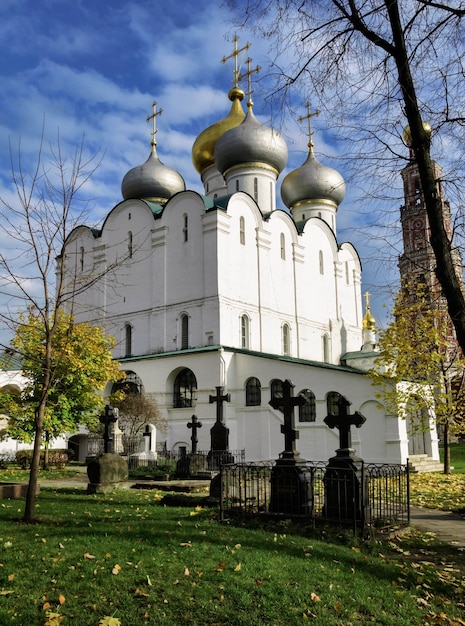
(367, 300)
(249, 73)
(308, 117)
(287, 404)
(195, 425)
(219, 399)
(109, 416)
(153, 117)
(235, 55)
(343, 421)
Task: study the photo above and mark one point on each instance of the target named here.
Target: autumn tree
(375, 67)
(80, 365)
(44, 204)
(135, 409)
(417, 367)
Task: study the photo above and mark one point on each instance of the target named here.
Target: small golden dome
(369, 322)
(408, 137)
(204, 145)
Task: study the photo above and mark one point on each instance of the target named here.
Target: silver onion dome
(152, 181)
(313, 182)
(249, 143)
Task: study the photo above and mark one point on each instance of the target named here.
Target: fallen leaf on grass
(315, 597)
(53, 619)
(116, 570)
(109, 621)
(88, 556)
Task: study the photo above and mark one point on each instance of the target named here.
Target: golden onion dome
(368, 322)
(204, 146)
(408, 137)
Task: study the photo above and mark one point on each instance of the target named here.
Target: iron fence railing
(374, 496)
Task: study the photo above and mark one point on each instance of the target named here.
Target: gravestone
(344, 499)
(107, 472)
(190, 464)
(219, 433)
(219, 442)
(291, 482)
(108, 417)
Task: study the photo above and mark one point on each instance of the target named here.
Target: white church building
(231, 289)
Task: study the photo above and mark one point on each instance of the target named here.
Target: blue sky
(95, 67)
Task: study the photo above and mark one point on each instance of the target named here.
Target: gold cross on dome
(367, 300)
(308, 117)
(234, 55)
(153, 117)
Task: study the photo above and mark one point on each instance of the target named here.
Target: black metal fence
(376, 496)
(170, 460)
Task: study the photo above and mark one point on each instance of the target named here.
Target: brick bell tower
(417, 263)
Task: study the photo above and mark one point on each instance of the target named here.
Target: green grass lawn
(127, 557)
(457, 457)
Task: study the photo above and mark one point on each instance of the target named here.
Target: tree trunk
(34, 471)
(446, 271)
(446, 436)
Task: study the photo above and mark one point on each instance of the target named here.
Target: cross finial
(234, 55)
(367, 300)
(308, 117)
(249, 73)
(153, 117)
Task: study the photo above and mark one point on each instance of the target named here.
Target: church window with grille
(255, 189)
(185, 229)
(184, 389)
(128, 340)
(325, 348)
(81, 258)
(184, 332)
(253, 392)
(282, 244)
(307, 411)
(130, 245)
(242, 230)
(276, 389)
(286, 338)
(332, 402)
(321, 262)
(244, 331)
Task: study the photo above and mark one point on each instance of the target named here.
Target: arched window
(127, 340)
(325, 348)
(253, 392)
(307, 411)
(131, 383)
(255, 189)
(244, 331)
(130, 249)
(347, 273)
(282, 245)
(276, 388)
(184, 389)
(237, 184)
(242, 230)
(184, 332)
(321, 262)
(185, 229)
(81, 258)
(286, 337)
(332, 402)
